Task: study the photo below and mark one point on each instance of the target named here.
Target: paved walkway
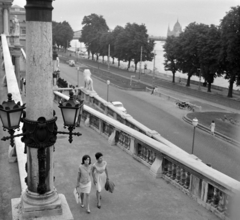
(138, 195)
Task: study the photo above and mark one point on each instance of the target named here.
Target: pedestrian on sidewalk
(212, 127)
(84, 181)
(100, 176)
(21, 84)
(153, 90)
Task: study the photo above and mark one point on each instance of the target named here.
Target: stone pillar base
(16, 40)
(58, 210)
(156, 168)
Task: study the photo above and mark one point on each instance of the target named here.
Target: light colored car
(119, 106)
(71, 62)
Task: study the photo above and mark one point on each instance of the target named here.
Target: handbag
(76, 195)
(109, 186)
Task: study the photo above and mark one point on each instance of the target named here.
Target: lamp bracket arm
(17, 135)
(73, 133)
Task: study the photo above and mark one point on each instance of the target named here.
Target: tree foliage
(94, 26)
(208, 51)
(125, 43)
(62, 33)
(230, 47)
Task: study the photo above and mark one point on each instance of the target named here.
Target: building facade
(177, 30)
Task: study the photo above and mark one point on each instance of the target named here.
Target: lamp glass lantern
(10, 113)
(70, 111)
(195, 122)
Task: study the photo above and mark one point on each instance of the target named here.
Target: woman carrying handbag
(100, 176)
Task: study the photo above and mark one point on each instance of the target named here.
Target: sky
(157, 15)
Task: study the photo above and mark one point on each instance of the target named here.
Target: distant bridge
(77, 35)
(157, 38)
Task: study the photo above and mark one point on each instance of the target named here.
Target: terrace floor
(138, 195)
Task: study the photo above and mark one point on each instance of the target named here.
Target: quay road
(164, 117)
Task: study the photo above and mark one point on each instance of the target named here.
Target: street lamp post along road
(108, 83)
(194, 123)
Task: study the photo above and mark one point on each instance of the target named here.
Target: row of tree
(124, 43)
(207, 50)
(62, 34)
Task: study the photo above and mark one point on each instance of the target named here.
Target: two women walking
(99, 173)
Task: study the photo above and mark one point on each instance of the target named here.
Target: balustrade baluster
(182, 177)
(144, 153)
(165, 167)
(173, 175)
(216, 198)
(210, 194)
(147, 154)
(178, 174)
(169, 171)
(221, 204)
(187, 180)
(140, 150)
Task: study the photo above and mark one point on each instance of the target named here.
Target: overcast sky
(157, 15)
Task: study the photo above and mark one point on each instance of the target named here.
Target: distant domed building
(177, 30)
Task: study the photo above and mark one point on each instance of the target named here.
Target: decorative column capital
(39, 10)
(6, 5)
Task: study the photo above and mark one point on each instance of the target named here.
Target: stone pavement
(138, 195)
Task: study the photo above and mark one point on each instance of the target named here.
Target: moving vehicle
(71, 62)
(119, 106)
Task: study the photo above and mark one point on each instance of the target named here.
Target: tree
(187, 50)
(170, 62)
(62, 33)
(93, 28)
(129, 42)
(209, 45)
(230, 47)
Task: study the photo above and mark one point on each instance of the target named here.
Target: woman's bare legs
(98, 199)
(82, 199)
(87, 202)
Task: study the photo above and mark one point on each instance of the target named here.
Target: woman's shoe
(82, 205)
(99, 206)
(88, 211)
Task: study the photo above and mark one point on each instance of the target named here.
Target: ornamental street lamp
(194, 123)
(108, 83)
(10, 114)
(41, 133)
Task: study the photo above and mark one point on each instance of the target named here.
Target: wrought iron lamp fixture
(41, 133)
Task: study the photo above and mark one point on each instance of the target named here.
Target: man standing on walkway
(212, 126)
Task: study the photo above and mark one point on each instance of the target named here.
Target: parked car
(119, 106)
(71, 62)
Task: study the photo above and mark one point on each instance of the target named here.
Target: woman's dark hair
(85, 157)
(98, 155)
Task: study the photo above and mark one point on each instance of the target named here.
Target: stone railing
(12, 87)
(209, 187)
(92, 99)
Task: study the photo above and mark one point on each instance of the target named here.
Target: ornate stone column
(41, 198)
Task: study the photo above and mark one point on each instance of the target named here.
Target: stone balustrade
(207, 186)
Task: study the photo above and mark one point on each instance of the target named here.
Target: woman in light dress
(212, 127)
(100, 175)
(84, 181)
